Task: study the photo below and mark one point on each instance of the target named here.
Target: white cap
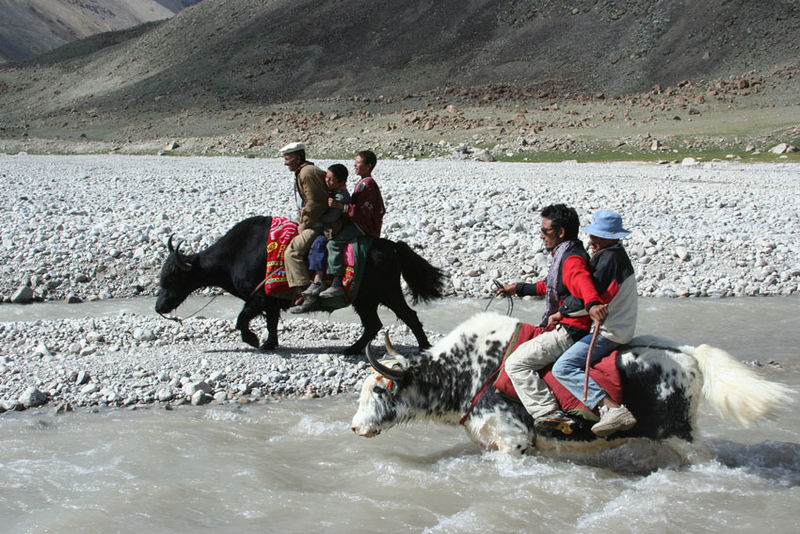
(293, 147)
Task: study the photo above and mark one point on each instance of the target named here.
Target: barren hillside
(32, 27)
(234, 68)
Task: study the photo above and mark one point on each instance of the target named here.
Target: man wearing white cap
(309, 184)
(616, 284)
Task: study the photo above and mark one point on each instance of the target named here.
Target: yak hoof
(269, 345)
(250, 338)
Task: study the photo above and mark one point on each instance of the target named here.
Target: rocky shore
(132, 361)
(94, 227)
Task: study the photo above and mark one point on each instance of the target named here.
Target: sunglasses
(546, 231)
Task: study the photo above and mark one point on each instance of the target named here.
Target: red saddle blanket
(281, 232)
(604, 372)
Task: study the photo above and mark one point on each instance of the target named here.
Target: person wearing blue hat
(568, 277)
(615, 281)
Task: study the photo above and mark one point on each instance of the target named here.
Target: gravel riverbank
(94, 227)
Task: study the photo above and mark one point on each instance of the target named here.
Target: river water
(294, 466)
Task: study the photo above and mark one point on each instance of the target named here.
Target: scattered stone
(42, 350)
(62, 407)
(32, 397)
(682, 253)
(484, 155)
(783, 148)
(200, 397)
(23, 295)
(90, 388)
(476, 222)
(143, 334)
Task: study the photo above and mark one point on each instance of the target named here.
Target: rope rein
(509, 305)
(179, 320)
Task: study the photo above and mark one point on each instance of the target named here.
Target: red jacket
(576, 278)
(366, 207)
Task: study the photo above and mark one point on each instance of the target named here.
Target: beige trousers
(530, 357)
(295, 259)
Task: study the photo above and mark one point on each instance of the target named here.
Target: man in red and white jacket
(569, 276)
(614, 279)
(364, 214)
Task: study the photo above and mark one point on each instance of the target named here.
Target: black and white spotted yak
(237, 263)
(662, 385)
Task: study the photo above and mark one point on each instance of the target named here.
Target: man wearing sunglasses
(569, 276)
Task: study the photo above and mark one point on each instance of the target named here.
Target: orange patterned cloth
(281, 232)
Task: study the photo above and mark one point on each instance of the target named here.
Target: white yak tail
(736, 391)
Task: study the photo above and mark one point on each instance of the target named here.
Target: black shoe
(555, 421)
(336, 290)
(314, 289)
(308, 304)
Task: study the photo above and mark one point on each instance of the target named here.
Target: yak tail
(735, 390)
(425, 281)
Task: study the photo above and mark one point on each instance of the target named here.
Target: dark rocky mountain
(29, 28)
(225, 66)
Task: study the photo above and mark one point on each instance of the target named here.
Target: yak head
(387, 395)
(177, 280)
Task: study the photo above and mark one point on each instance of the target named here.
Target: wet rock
(63, 407)
(200, 397)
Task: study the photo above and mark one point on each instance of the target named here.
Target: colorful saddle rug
(604, 372)
(280, 234)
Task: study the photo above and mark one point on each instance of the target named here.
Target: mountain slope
(273, 50)
(223, 65)
(32, 27)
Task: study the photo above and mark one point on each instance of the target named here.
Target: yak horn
(394, 374)
(183, 263)
(390, 350)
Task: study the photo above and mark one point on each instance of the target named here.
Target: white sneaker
(613, 420)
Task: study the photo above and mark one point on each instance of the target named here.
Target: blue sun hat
(607, 224)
